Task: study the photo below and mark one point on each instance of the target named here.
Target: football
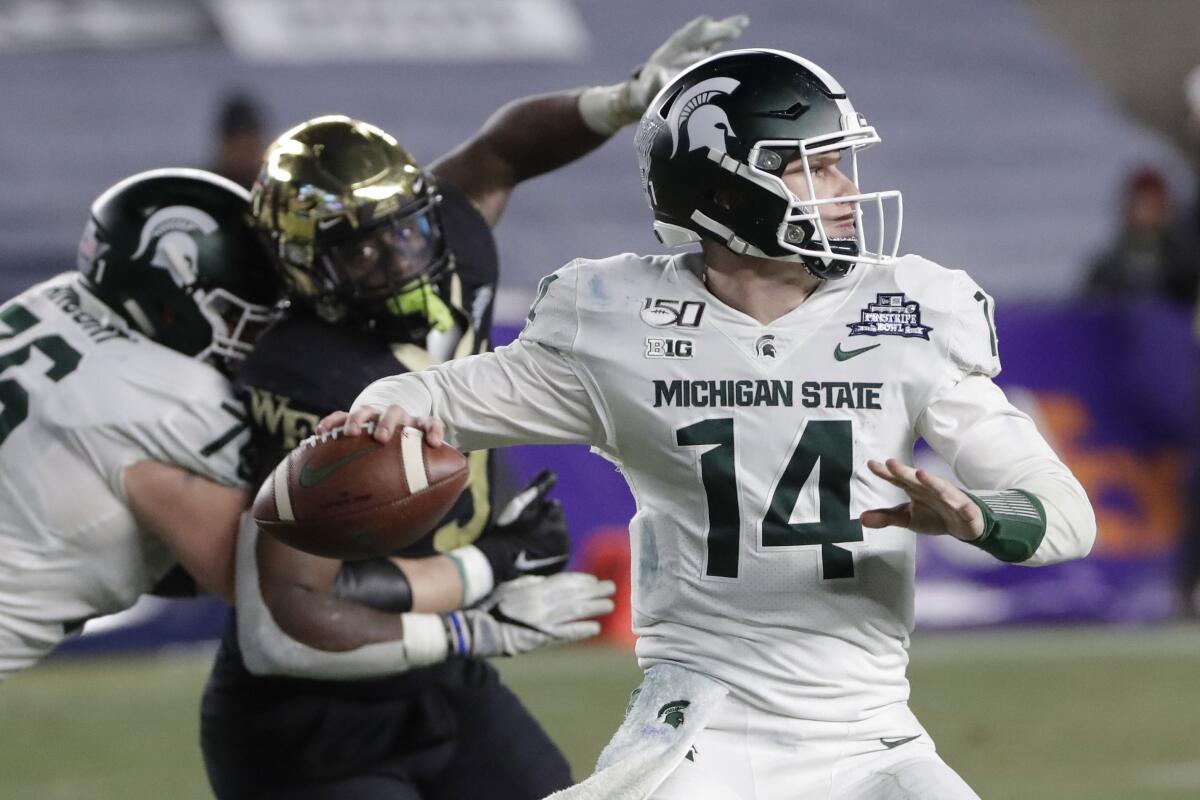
(658, 316)
(351, 497)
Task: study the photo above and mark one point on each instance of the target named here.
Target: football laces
(336, 433)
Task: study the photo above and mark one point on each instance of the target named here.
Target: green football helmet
(170, 251)
(353, 224)
(713, 146)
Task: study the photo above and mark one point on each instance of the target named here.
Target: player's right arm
(533, 391)
(534, 135)
(195, 517)
(291, 623)
(523, 393)
(1021, 504)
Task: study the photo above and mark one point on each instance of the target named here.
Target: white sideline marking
(1173, 776)
(1056, 645)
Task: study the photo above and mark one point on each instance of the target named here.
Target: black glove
(529, 536)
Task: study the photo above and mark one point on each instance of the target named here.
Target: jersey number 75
(13, 395)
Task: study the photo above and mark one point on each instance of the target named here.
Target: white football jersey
(83, 397)
(745, 446)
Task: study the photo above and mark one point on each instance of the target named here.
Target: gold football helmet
(352, 223)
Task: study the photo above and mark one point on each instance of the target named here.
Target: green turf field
(1064, 715)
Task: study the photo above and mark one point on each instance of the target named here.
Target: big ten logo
(1138, 496)
(672, 313)
(668, 348)
(273, 413)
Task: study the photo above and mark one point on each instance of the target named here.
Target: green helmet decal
(175, 233)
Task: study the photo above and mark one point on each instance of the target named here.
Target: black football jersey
(305, 368)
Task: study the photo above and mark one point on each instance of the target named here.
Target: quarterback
(762, 397)
(338, 679)
(120, 437)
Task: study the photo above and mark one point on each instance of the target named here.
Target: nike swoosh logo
(845, 355)
(893, 743)
(525, 564)
(310, 476)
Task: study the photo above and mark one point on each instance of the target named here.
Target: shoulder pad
(319, 366)
(553, 319)
(959, 310)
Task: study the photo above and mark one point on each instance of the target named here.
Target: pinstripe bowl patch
(891, 315)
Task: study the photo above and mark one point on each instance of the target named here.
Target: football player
(762, 397)
(120, 436)
(390, 267)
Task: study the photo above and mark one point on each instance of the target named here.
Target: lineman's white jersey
(745, 446)
(84, 397)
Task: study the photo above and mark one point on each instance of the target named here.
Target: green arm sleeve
(1014, 522)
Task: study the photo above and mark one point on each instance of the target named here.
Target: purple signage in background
(1113, 388)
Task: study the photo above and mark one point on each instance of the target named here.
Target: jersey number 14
(825, 442)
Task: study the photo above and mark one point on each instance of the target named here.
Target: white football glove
(607, 109)
(531, 612)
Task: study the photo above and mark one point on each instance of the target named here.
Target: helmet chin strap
(829, 269)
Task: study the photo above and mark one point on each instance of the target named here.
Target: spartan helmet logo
(706, 124)
(764, 347)
(672, 713)
(172, 231)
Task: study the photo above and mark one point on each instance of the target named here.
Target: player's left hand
(532, 612)
(937, 506)
(529, 536)
(698, 39)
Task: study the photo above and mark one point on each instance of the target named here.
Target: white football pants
(747, 754)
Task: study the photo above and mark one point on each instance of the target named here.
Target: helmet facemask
(381, 260)
(236, 324)
(802, 231)
(389, 275)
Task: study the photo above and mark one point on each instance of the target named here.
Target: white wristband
(475, 573)
(425, 640)
(605, 109)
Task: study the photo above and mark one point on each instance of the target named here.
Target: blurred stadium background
(1011, 126)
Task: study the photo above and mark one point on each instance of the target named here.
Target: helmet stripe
(283, 500)
(414, 459)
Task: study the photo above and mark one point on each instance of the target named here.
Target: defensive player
(120, 437)
(389, 268)
(762, 397)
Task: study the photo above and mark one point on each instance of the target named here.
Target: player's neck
(762, 288)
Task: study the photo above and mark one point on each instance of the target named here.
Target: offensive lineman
(390, 267)
(763, 397)
(120, 437)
